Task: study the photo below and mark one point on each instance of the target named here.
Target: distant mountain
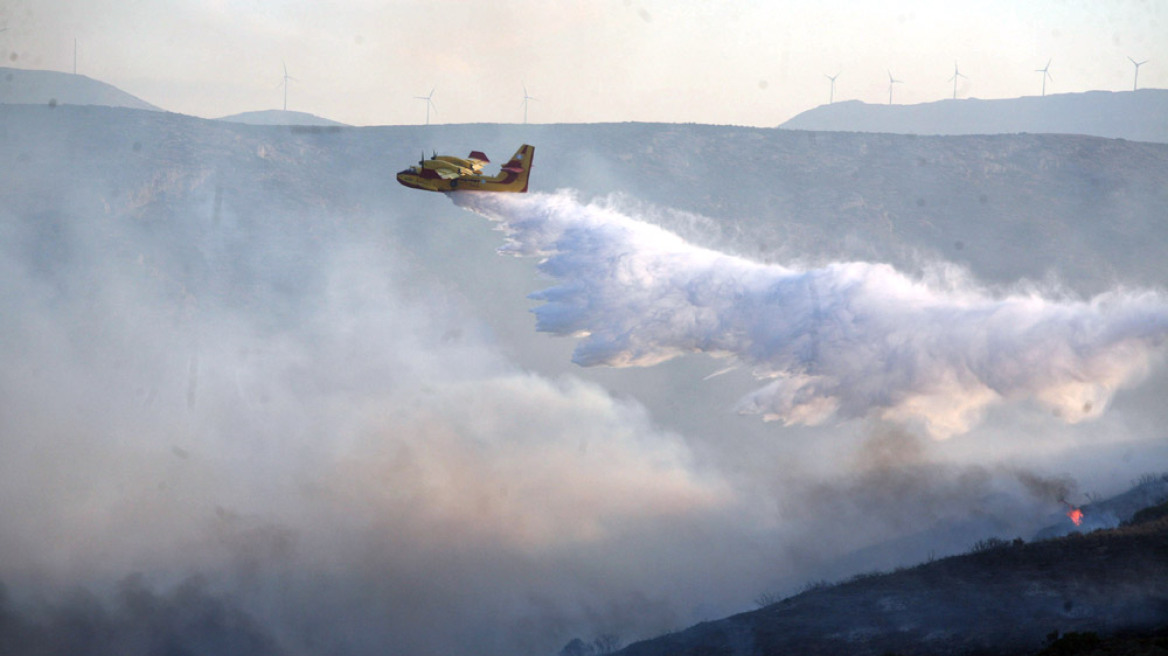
(1135, 115)
(27, 87)
(279, 117)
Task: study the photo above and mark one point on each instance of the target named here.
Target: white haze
(848, 340)
(380, 467)
(380, 477)
(252, 387)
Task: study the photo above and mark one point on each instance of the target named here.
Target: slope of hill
(279, 117)
(26, 87)
(1109, 513)
(245, 354)
(1002, 598)
(1136, 115)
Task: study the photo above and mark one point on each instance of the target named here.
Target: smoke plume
(845, 340)
(257, 400)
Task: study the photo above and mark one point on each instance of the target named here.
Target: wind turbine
(525, 99)
(956, 74)
(429, 104)
(286, 78)
(1136, 81)
(831, 96)
(1045, 70)
(892, 81)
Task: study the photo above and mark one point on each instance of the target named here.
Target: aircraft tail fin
(520, 166)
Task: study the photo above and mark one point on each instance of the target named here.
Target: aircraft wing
(447, 174)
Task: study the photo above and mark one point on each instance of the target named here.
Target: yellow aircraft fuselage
(447, 173)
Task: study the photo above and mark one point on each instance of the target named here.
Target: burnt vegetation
(1099, 593)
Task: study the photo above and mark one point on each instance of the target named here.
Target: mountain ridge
(42, 87)
(280, 117)
(1140, 115)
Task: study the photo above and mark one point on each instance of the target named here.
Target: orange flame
(1076, 516)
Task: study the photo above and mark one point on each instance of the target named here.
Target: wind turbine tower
(956, 74)
(1136, 81)
(286, 78)
(525, 99)
(892, 81)
(831, 95)
(429, 103)
(1045, 70)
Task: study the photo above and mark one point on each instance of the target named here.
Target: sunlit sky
(363, 62)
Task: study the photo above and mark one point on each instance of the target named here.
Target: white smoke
(846, 340)
(236, 406)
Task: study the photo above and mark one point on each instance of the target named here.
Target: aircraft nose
(404, 179)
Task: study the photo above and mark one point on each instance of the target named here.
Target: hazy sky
(753, 63)
(246, 356)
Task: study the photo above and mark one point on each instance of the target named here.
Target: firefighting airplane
(447, 173)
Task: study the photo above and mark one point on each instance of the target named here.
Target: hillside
(254, 386)
(1136, 115)
(1003, 598)
(32, 87)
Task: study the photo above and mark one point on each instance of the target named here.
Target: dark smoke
(189, 619)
